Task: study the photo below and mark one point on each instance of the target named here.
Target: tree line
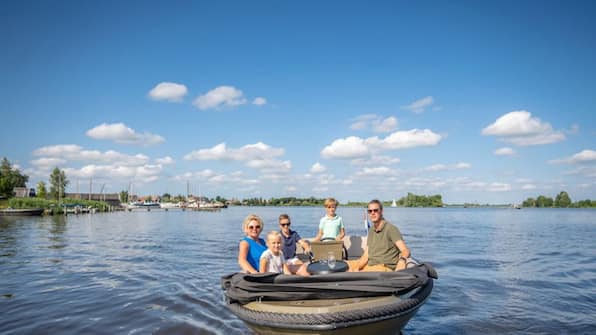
(562, 200)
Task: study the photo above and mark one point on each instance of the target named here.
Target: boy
(331, 226)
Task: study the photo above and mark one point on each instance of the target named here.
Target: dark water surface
(501, 271)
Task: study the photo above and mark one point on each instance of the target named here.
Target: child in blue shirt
(331, 226)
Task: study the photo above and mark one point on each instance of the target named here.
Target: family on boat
(347, 284)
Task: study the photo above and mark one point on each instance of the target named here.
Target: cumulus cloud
(48, 162)
(505, 151)
(168, 91)
(72, 152)
(520, 128)
(374, 122)
(120, 133)
(257, 151)
(165, 160)
(499, 187)
(145, 173)
(420, 105)
(318, 168)
(584, 156)
(270, 165)
(220, 96)
(444, 167)
(409, 139)
(377, 171)
(375, 160)
(346, 148)
(259, 101)
(355, 147)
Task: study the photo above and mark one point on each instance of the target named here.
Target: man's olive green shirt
(381, 245)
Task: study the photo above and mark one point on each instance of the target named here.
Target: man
(385, 249)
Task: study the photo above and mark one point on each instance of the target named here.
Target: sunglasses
(374, 210)
(254, 227)
(284, 224)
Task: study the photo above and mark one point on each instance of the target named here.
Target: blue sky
(480, 102)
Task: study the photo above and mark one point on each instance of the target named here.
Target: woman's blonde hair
(252, 217)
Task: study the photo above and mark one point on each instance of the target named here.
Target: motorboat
(21, 211)
(329, 302)
(345, 303)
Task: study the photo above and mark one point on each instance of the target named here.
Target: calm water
(500, 270)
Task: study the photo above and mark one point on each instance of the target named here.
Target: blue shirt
(288, 244)
(254, 251)
(331, 227)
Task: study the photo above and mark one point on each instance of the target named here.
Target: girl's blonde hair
(273, 233)
(252, 217)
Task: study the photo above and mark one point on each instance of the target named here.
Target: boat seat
(320, 249)
(354, 244)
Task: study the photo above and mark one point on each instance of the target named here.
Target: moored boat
(335, 303)
(21, 211)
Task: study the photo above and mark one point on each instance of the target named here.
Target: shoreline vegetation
(53, 201)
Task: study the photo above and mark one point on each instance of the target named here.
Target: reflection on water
(500, 270)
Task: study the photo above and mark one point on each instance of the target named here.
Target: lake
(501, 271)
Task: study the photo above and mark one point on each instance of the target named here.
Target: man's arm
(404, 253)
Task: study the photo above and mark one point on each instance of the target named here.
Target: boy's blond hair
(330, 201)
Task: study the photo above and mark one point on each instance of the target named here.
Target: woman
(251, 246)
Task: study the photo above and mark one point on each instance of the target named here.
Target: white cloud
(120, 133)
(444, 167)
(584, 156)
(74, 152)
(168, 91)
(377, 171)
(505, 151)
(259, 101)
(257, 151)
(346, 148)
(420, 105)
(290, 189)
(355, 147)
(48, 162)
(375, 160)
(375, 122)
(167, 160)
(410, 139)
(145, 173)
(270, 165)
(462, 165)
(520, 128)
(528, 187)
(318, 168)
(499, 187)
(220, 96)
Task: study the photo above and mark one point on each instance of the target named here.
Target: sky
(478, 101)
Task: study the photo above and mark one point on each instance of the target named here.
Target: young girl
(331, 225)
(251, 246)
(272, 259)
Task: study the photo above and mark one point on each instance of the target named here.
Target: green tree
(166, 197)
(123, 196)
(562, 200)
(42, 192)
(58, 183)
(10, 178)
